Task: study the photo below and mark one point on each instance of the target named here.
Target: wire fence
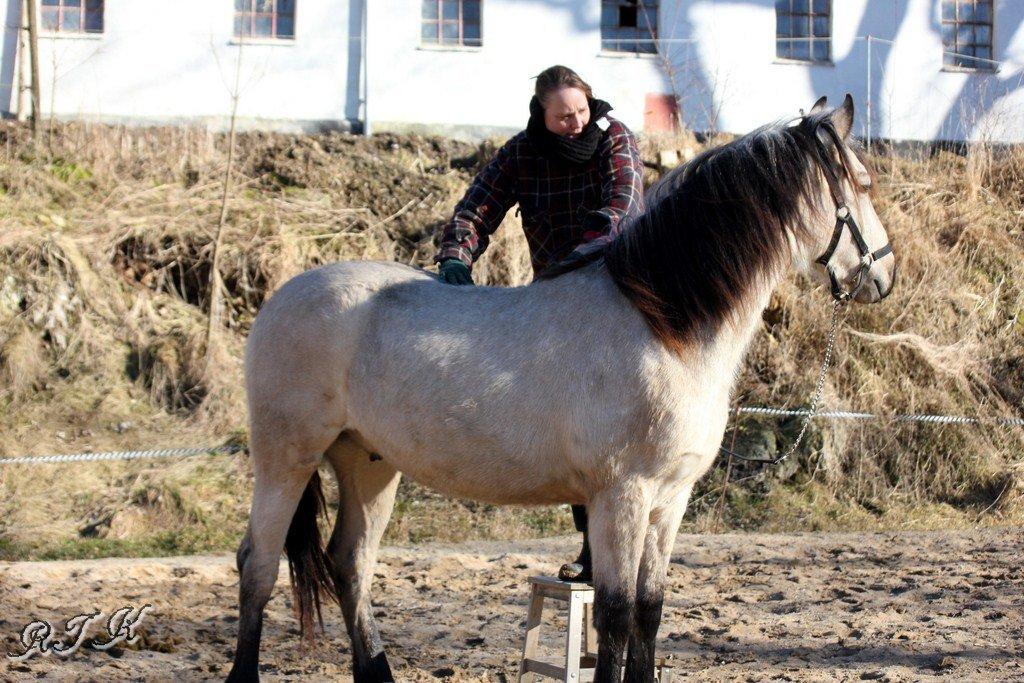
(749, 410)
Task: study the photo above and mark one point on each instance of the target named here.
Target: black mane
(715, 225)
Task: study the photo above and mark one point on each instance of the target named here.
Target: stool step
(581, 637)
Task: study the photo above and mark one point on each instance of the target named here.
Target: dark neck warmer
(577, 150)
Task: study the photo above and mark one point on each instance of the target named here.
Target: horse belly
(475, 448)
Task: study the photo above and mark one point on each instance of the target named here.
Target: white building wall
(168, 62)
(491, 86)
(177, 61)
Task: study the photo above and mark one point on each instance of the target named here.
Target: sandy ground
(797, 607)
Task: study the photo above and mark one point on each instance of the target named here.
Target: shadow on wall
(8, 77)
(354, 77)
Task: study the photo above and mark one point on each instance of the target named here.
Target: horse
(608, 385)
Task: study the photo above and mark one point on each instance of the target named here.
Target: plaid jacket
(567, 210)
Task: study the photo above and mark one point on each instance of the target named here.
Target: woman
(577, 176)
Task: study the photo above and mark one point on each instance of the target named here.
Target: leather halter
(845, 219)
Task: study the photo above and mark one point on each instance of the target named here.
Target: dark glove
(455, 272)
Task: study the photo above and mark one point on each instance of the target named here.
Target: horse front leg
(617, 526)
(650, 591)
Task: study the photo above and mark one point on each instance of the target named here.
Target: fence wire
(748, 410)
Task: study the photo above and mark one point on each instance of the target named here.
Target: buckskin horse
(608, 385)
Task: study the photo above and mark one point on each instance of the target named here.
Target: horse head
(849, 247)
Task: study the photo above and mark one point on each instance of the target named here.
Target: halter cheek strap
(844, 219)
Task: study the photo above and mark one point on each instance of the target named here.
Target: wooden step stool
(581, 634)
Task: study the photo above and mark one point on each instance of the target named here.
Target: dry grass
(106, 237)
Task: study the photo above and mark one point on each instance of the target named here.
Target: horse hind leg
(366, 487)
(286, 495)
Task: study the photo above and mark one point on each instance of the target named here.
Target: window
(265, 19)
(629, 25)
(71, 16)
(451, 22)
(803, 30)
(967, 34)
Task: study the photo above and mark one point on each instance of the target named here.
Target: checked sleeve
(622, 190)
(481, 209)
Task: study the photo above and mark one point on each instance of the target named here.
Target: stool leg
(574, 640)
(532, 630)
(589, 632)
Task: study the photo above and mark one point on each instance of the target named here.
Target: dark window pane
(983, 34)
(72, 20)
(72, 3)
(450, 33)
(983, 12)
(609, 15)
(821, 26)
(264, 27)
(450, 9)
(821, 50)
(784, 48)
(801, 49)
(265, 6)
(949, 10)
(948, 34)
(93, 20)
(428, 34)
(471, 34)
(965, 35)
(471, 11)
(821, 6)
(800, 26)
(801, 6)
(51, 3)
(429, 9)
(984, 53)
(966, 11)
(782, 25)
(286, 6)
(627, 16)
(648, 20)
(242, 5)
(285, 26)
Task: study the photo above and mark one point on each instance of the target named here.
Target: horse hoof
(575, 572)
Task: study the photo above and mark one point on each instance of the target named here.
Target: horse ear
(842, 117)
(819, 105)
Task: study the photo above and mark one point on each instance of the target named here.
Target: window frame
(810, 15)
(644, 43)
(62, 9)
(274, 14)
(986, 65)
(461, 44)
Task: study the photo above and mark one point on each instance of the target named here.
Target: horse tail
(309, 566)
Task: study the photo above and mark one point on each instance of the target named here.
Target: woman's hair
(557, 77)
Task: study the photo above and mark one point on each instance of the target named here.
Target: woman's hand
(455, 272)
